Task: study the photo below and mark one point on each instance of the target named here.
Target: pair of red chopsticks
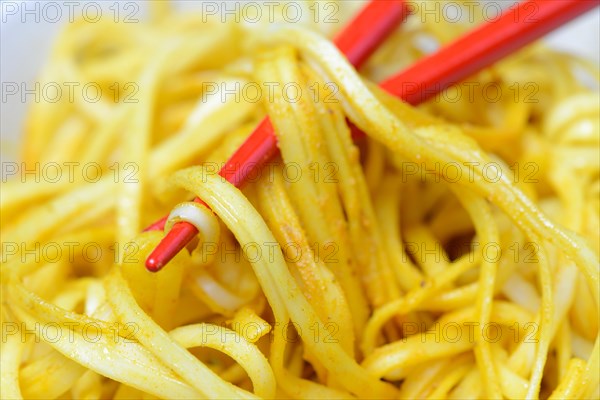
(477, 49)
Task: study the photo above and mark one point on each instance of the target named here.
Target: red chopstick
(477, 49)
(357, 41)
(483, 46)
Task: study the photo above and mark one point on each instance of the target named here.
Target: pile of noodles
(396, 267)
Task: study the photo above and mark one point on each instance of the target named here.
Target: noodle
(450, 254)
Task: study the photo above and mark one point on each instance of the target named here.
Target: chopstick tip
(154, 264)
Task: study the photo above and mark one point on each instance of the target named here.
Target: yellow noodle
(391, 266)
